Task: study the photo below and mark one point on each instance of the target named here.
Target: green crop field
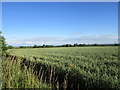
(74, 67)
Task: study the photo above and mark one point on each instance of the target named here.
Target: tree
(35, 46)
(82, 45)
(10, 47)
(75, 45)
(3, 45)
(48, 46)
(95, 44)
(43, 45)
(21, 47)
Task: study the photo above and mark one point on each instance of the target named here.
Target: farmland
(73, 67)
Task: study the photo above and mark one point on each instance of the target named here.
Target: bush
(3, 45)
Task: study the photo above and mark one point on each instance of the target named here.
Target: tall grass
(14, 77)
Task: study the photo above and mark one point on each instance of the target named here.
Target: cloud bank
(103, 39)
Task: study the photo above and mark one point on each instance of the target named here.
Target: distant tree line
(64, 45)
(4, 46)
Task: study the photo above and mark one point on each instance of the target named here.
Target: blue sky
(29, 23)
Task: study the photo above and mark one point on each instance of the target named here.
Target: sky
(56, 23)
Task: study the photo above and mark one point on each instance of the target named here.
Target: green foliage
(10, 47)
(35, 46)
(67, 45)
(3, 45)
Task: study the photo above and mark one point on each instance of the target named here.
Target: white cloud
(103, 39)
